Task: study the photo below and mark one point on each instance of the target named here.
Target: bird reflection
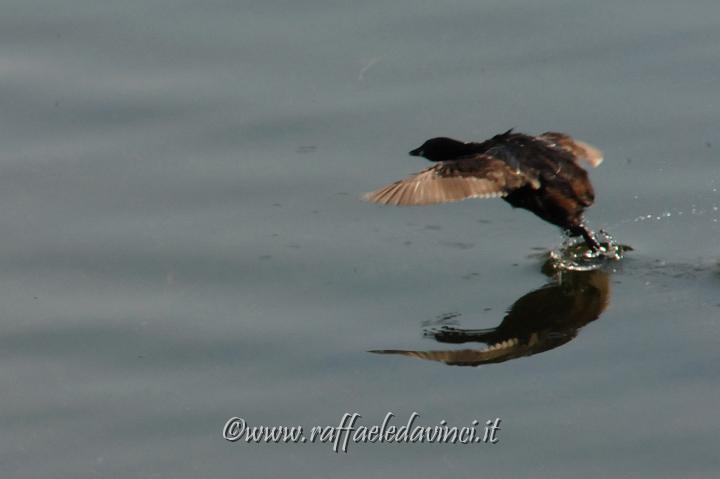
(539, 321)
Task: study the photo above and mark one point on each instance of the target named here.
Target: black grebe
(538, 173)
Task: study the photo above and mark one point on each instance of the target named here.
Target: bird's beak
(416, 152)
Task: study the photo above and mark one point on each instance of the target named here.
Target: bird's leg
(581, 230)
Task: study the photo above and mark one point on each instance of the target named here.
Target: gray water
(183, 239)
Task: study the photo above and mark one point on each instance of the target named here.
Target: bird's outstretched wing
(480, 176)
(580, 150)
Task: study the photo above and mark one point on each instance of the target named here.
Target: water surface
(183, 240)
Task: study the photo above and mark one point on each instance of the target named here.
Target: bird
(541, 174)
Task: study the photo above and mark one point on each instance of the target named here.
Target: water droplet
(574, 255)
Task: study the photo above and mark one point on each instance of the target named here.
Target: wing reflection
(539, 321)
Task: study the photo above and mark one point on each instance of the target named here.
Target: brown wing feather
(481, 176)
(579, 149)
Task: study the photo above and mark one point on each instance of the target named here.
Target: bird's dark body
(565, 190)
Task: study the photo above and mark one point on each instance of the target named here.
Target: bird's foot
(590, 252)
(588, 235)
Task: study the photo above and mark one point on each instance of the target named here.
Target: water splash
(575, 255)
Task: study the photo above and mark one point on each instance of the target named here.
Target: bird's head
(440, 149)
